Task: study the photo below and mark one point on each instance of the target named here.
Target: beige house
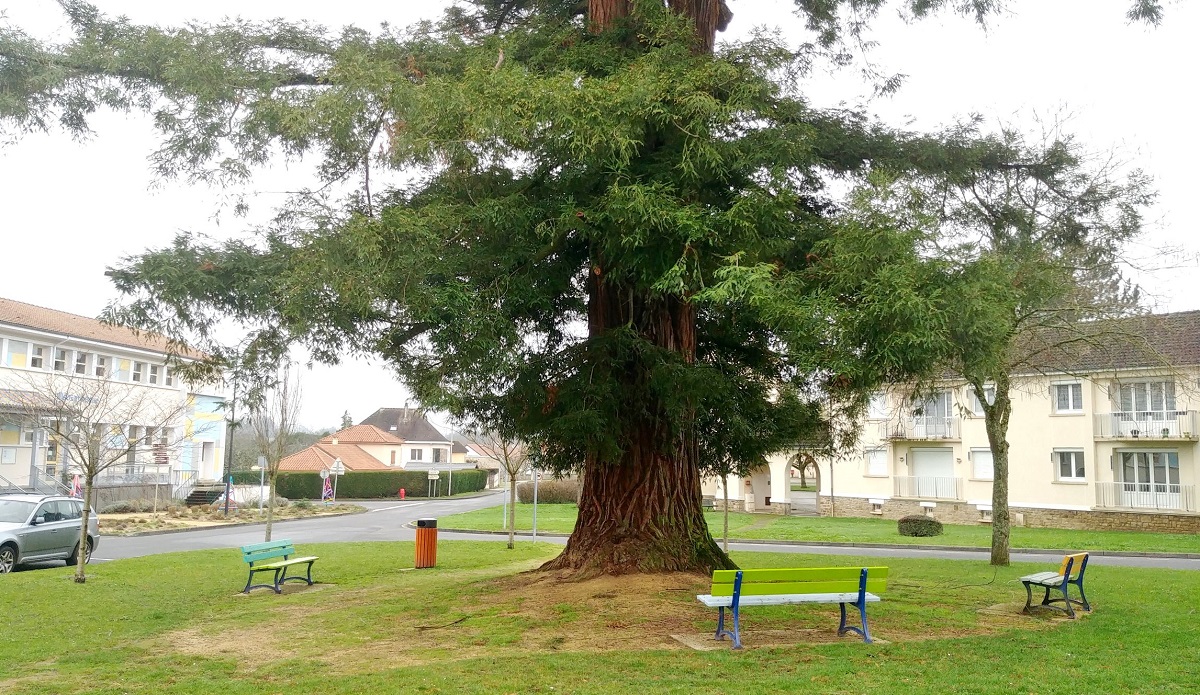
(1089, 447)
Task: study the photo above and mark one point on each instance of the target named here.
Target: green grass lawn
(175, 624)
(561, 518)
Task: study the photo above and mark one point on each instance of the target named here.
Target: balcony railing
(927, 487)
(920, 428)
(1148, 424)
(1158, 496)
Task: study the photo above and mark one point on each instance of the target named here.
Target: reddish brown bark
(642, 513)
(603, 14)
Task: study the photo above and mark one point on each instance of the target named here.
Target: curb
(888, 546)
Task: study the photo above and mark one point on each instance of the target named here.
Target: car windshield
(15, 511)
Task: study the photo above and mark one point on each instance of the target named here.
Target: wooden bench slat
(287, 563)
(802, 574)
(784, 599)
(265, 546)
(781, 588)
(267, 555)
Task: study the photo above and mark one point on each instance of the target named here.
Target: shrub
(550, 491)
(130, 507)
(304, 505)
(918, 525)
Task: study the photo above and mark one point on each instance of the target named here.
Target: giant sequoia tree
(609, 229)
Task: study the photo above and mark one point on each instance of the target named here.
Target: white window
(989, 393)
(17, 354)
(60, 360)
(981, 464)
(1068, 398)
(101, 366)
(877, 408)
(1147, 398)
(415, 455)
(154, 369)
(37, 357)
(1070, 464)
(164, 436)
(877, 462)
(81, 362)
(29, 436)
(168, 376)
(138, 369)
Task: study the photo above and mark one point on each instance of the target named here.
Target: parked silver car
(36, 528)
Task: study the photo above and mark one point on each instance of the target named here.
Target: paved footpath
(388, 521)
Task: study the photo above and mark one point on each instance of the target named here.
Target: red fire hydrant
(401, 493)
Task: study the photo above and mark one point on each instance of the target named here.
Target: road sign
(433, 475)
(324, 473)
(338, 468)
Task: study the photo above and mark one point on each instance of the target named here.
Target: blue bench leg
(722, 632)
(843, 628)
(1083, 597)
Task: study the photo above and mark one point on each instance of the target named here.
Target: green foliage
(550, 491)
(919, 525)
(369, 484)
(130, 507)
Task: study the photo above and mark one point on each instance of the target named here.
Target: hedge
(550, 491)
(369, 484)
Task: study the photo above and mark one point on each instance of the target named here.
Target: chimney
(334, 442)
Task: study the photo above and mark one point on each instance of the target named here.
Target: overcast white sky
(69, 209)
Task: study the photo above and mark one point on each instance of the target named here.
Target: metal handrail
(929, 487)
(1157, 496)
(1148, 424)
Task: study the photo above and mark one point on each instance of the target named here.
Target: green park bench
(1069, 572)
(735, 589)
(274, 557)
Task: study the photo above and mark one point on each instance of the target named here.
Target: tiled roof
(39, 318)
(362, 434)
(1150, 341)
(408, 424)
(321, 455)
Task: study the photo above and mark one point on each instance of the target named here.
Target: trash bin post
(426, 543)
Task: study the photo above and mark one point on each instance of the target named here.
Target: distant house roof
(408, 424)
(362, 434)
(24, 315)
(321, 455)
(459, 448)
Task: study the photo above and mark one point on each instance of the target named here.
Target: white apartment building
(43, 348)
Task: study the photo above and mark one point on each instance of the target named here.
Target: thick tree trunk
(996, 423)
(643, 513)
(710, 17)
(602, 14)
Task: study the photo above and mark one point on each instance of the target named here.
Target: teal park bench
(735, 589)
(1069, 572)
(274, 557)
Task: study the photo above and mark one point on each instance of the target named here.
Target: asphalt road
(388, 521)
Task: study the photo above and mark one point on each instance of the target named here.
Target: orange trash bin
(426, 543)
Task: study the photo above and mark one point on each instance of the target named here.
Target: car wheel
(8, 559)
(73, 558)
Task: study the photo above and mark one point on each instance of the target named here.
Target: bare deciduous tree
(273, 419)
(97, 422)
(512, 455)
